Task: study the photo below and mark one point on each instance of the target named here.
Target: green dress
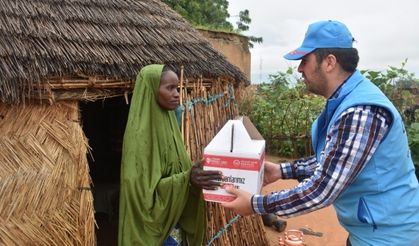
(155, 190)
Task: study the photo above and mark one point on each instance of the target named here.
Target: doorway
(104, 123)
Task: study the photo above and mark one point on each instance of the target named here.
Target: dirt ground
(323, 221)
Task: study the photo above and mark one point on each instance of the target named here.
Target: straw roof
(40, 39)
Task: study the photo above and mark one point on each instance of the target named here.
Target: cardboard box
(238, 151)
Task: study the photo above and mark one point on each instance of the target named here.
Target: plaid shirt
(351, 142)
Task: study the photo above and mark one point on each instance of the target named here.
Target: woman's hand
(209, 180)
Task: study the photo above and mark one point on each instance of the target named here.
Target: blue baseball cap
(322, 34)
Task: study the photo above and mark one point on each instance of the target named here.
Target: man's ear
(331, 62)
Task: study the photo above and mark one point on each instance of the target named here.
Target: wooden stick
(181, 102)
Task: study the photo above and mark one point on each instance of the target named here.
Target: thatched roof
(40, 39)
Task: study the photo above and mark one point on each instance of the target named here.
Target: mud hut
(67, 68)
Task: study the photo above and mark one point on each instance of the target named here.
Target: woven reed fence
(206, 111)
(45, 197)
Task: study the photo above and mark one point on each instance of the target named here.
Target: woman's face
(168, 93)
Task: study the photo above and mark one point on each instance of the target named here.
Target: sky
(386, 32)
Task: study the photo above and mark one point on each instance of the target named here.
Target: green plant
(283, 111)
(413, 133)
(396, 83)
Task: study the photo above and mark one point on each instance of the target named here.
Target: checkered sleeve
(299, 169)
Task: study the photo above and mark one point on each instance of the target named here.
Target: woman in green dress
(160, 188)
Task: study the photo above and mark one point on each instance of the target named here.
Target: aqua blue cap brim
(298, 54)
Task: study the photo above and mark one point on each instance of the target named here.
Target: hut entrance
(104, 124)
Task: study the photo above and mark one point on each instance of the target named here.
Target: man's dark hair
(347, 57)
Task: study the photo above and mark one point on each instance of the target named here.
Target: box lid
(237, 138)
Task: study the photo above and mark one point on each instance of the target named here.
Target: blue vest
(381, 205)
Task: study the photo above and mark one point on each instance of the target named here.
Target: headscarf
(155, 190)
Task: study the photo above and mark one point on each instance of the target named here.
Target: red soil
(323, 221)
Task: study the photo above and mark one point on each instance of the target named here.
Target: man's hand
(242, 204)
(272, 173)
(209, 180)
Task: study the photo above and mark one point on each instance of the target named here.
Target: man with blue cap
(362, 163)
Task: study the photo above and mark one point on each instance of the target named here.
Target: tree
(212, 14)
(208, 13)
(244, 20)
(243, 25)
